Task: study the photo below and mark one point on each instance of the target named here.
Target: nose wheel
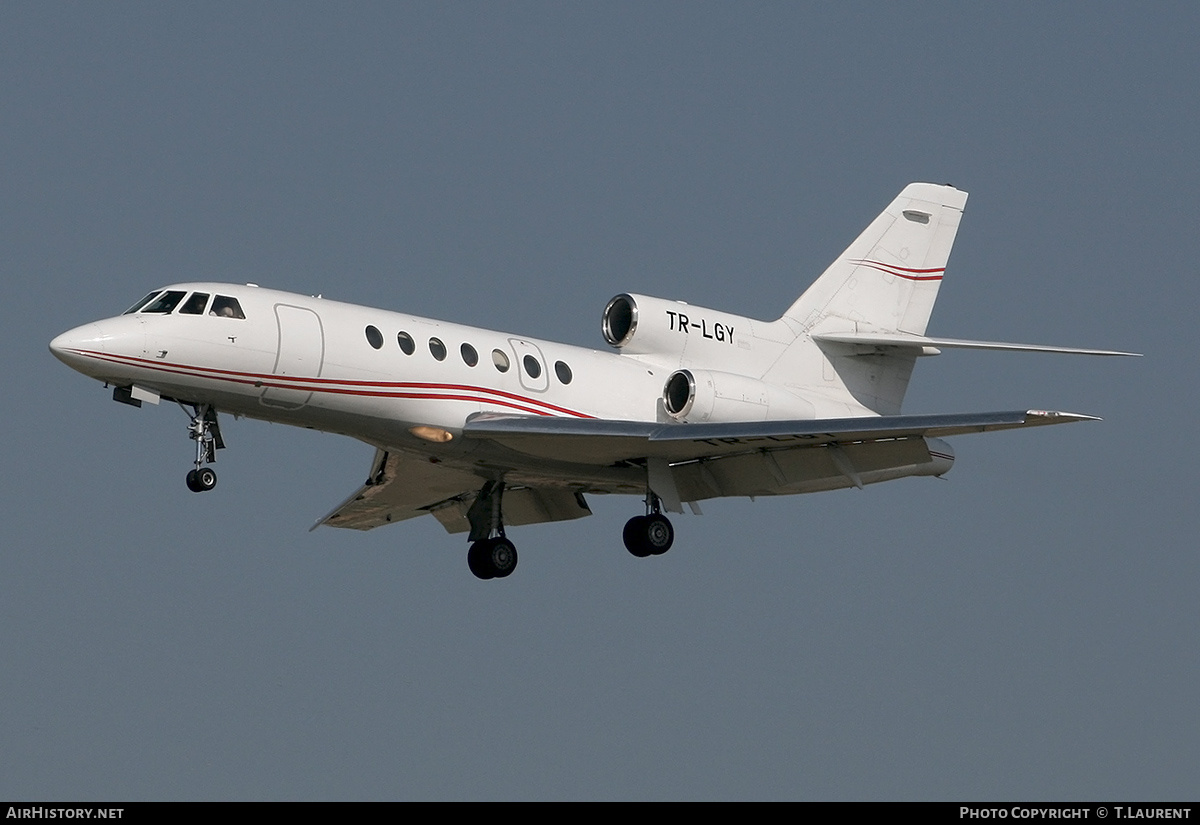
(201, 480)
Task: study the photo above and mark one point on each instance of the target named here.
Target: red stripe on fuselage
(374, 389)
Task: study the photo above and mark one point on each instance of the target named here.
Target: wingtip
(1057, 417)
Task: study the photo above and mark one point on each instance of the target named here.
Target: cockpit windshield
(162, 302)
(141, 303)
(195, 304)
(166, 302)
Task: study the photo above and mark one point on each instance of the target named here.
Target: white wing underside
(701, 460)
(401, 487)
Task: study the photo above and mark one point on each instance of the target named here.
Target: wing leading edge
(624, 440)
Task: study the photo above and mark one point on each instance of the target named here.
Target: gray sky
(1026, 628)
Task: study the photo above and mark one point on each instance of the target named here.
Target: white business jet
(485, 430)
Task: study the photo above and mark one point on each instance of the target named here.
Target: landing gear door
(301, 354)
(531, 366)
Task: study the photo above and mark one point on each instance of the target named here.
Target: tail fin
(885, 282)
(888, 279)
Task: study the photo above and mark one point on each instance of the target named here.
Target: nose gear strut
(206, 432)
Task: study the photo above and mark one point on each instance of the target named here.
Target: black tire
(478, 562)
(206, 479)
(502, 556)
(191, 482)
(634, 536)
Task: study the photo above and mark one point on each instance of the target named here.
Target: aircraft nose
(71, 346)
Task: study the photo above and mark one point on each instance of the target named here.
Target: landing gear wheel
(201, 480)
(477, 560)
(634, 536)
(502, 556)
(492, 558)
(660, 535)
(648, 535)
(206, 479)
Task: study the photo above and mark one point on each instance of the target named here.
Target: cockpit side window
(166, 302)
(195, 304)
(225, 307)
(141, 303)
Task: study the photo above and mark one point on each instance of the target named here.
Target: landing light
(434, 434)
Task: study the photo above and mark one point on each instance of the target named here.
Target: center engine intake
(699, 396)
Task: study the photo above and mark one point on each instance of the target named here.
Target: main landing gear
(206, 432)
(651, 534)
(491, 555)
(492, 558)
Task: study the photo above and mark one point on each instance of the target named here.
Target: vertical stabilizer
(886, 281)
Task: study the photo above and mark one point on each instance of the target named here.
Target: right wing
(401, 487)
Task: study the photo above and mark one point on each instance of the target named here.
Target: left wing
(693, 462)
(602, 441)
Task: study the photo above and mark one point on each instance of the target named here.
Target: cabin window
(469, 355)
(500, 360)
(562, 371)
(532, 368)
(374, 336)
(407, 345)
(165, 302)
(141, 303)
(225, 307)
(437, 348)
(195, 304)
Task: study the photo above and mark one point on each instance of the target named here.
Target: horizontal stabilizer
(903, 341)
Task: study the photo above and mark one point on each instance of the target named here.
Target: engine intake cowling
(641, 325)
(699, 396)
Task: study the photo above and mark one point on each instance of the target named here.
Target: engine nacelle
(641, 325)
(699, 396)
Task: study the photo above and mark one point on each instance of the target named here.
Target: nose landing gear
(206, 432)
